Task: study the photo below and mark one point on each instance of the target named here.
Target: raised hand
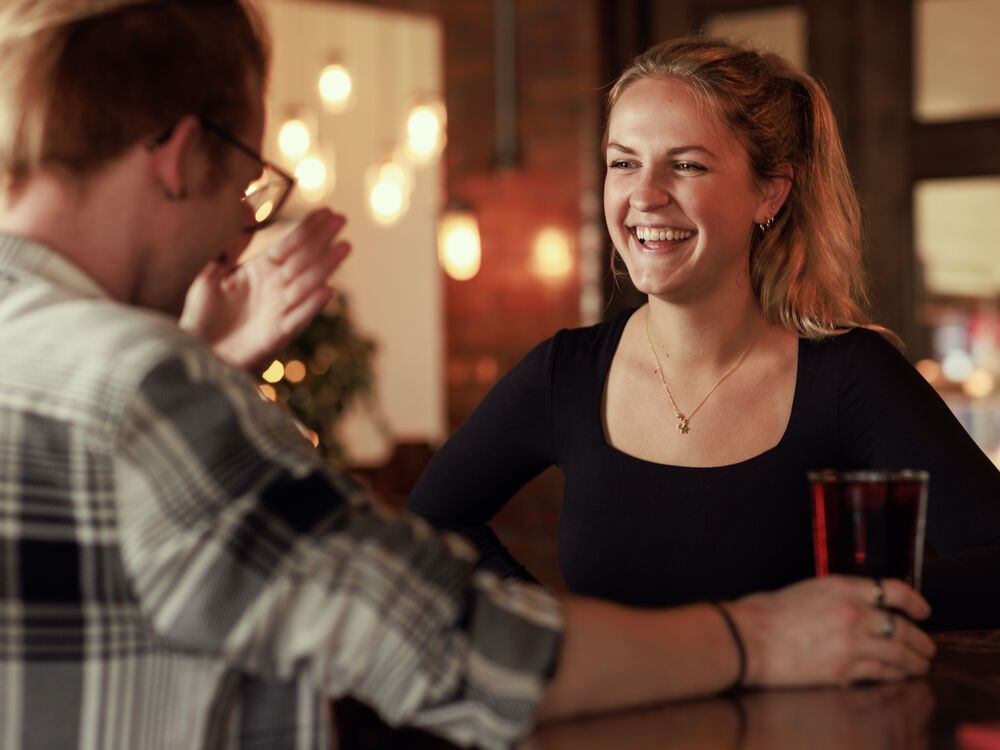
(834, 630)
(248, 314)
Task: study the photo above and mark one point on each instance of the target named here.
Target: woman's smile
(656, 238)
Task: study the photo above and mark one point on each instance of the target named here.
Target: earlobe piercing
(768, 222)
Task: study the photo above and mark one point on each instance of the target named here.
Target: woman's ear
(774, 191)
(171, 158)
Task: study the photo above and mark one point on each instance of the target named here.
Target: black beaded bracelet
(741, 648)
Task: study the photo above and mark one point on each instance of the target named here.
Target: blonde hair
(82, 81)
(806, 270)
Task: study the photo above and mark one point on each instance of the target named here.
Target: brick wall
(495, 318)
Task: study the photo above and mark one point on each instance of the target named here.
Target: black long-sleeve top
(649, 534)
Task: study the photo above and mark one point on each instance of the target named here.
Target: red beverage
(869, 523)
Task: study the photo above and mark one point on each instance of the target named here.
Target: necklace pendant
(682, 425)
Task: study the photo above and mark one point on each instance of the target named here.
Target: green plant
(334, 369)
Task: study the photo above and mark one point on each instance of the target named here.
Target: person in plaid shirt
(178, 568)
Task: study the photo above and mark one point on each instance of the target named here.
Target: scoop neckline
(758, 457)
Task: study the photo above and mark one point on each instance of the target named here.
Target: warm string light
(274, 373)
(979, 384)
(295, 371)
(959, 369)
(957, 365)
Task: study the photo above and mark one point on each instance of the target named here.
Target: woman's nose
(649, 194)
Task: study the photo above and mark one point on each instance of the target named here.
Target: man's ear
(171, 159)
(774, 191)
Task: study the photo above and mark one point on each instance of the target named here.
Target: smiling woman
(685, 428)
(679, 197)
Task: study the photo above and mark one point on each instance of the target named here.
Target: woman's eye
(620, 164)
(688, 166)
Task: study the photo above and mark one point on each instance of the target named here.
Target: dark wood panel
(882, 161)
(969, 148)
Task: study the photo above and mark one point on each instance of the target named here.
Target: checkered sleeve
(240, 541)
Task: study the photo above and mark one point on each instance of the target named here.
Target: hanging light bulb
(335, 86)
(551, 257)
(459, 250)
(316, 176)
(425, 131)
(311, 173)
(389, 184)
(294, 138)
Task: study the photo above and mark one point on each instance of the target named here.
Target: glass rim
(921, 475)
(867, 475)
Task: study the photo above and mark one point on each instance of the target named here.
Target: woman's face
(679, 198)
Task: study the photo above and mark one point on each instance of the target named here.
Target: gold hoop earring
(766, 226)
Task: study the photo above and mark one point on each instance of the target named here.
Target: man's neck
(82, 221)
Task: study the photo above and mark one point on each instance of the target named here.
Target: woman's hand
(248, 314)
(830, 631)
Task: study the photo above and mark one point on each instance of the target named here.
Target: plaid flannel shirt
(178, 569)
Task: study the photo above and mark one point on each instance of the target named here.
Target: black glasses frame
(224, 135)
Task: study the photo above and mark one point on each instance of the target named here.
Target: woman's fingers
(903, 632)
(896, 654)
(873, 670)
(890, 638)
(830, 630)
(893, 622)
(897, 595)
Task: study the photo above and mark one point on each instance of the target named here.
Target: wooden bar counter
(962, 690)
(959, 698)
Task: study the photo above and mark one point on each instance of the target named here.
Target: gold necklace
(683, 422)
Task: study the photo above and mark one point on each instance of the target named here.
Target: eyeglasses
(269, 191)
(266, 193)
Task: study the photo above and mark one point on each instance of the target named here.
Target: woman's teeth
(649, 234)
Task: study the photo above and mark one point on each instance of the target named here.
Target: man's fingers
(213, 273)
(340, 251)
(315, 275)
(313, 232)
(316, 250)
(298, 317)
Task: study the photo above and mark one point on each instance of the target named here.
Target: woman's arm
(505, 442)
(818, 632)
(890, 417)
